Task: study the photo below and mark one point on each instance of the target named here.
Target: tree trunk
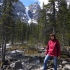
(54, 22)
(62, 40)
(12, 40)
(3, 48)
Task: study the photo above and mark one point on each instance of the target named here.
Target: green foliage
(63, 23)
(7, 19)
(37, 33)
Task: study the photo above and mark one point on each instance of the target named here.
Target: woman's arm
(58, 49)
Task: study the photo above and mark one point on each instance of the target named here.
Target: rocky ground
(36, 63)
(18, 61)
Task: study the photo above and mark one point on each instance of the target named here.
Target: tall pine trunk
(3, 47)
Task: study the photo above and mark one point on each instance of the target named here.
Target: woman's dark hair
(52, 34)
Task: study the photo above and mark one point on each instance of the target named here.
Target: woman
(52, 50)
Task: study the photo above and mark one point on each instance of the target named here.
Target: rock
(64, 62)
(67, 67)
(59, 66)
(41, 68)
(18, 65)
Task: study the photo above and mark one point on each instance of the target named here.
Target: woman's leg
(55, 62)
(46, 61)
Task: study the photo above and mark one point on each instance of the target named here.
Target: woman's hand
(58, 57)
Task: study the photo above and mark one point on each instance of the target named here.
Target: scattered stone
(64, 62)
(67, 67)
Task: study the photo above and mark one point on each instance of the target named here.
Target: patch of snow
(34, 11)
(27, 13)
(32, 21)
(27, 8)
(1, 4)
(23, 18)
(68, 4)
(29, 21)
(18, 13)
(14, 51)
(8, 46)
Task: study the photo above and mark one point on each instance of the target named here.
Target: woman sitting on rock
(52, 51)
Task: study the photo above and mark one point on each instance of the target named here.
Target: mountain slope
(20, 11)
(34, 11)
(28, 14)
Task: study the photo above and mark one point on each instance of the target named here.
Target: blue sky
(28, 2)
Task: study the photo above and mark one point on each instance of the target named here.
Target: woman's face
(52, 37)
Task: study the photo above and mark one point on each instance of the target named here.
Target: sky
(28, 2)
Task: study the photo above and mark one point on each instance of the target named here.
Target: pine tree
(42, 23)
(6, 21)
(62, 19)
(46, 22)
(24, 31)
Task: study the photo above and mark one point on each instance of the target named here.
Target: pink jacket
(53, 48)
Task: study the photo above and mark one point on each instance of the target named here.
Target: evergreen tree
(6, 22)
(62, 19)
(42, 23)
